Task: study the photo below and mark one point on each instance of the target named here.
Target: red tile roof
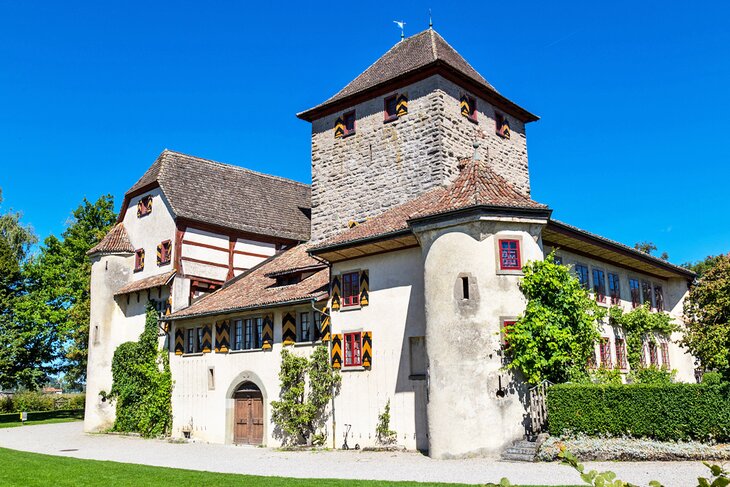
(114, 242)
(476, 186)
(146, 283)
(254, 289)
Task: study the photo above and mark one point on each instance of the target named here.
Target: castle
(404, 257)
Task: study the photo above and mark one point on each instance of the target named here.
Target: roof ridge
(238, 168)
(434, 50)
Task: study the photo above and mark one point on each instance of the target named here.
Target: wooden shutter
(179, 341)
(324, 327)
(464, 105)
(339, 128)
(335, 291)
(289, 327)
(222, 336)
(364, 288)
(337, 351)
(367, 349)
(207, 338)
(267, 330)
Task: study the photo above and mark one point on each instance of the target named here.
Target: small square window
(138, 260)
(469, 107)
(348, 119)
(390, 111)
(164, 253)
(353, 347)
(144, 206)
(350, 289)
(502, 126)
(509, 255)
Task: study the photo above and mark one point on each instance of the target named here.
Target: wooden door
(248, 427)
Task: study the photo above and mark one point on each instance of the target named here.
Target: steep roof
(116, 241)
(476, 186)
(416, 53)
(229, 196)
(255, 289)
(146, 283)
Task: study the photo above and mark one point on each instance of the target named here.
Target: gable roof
(147, 283)
(477, 186)
(116, 241)
(417, 53)
(255, 289)
(228, 196)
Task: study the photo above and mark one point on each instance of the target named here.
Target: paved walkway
(68, 439)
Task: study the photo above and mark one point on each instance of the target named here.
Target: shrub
(603, 375)
(712, 378)
(653, 375)
(666, 412)
(32, 401)
(383, 433)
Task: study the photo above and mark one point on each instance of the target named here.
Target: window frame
(139, 260)
(348, 341)
(165, 253)
(658, 296)
(635, 298)
(473, 115)
(301, 338)
(144, 206)
(664, 349)
(647, 289)
(604, 349)
(599, 296)
(500, 117)
(518, 252)
(614, 288)
(653, 354)
(345, 116)
(504, 338)
(620, 346)
(189, 340)
(354, 299)
(587, 284)
(389, 117)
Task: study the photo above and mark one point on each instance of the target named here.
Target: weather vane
(402, 25)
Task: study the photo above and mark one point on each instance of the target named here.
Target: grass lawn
(42, 421)
(32, 469)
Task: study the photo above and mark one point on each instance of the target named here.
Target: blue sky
(633, 97)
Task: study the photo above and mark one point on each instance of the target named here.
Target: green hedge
(43, 415)
(663, 412)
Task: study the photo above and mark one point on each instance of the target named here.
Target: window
(351, 289)
(237, 334)
(199, 341)
(144, 206)
(505, 332)
(353, 341)
(417, 351)
(211, 378)
(621, 353)
(646, 292)
(599, 285)
(194, 340)
(635, 297)
(190, 341)
(606, 353)
(592, 360)
(659, 297)
(509, 255)
(614, 288)
(665, 355)
(349, 120)
(464, 287)
(318, 318)
(652, 354)
(643, 354)
(469, 107)
(502, 126)
(558, 259)
(258, 324)
(247, 333)
(390, 111)
(305, 328)
(581, 272)
(164, 253)
(138, 260)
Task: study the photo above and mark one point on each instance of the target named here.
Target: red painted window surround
(351, 289)
(165, 252)
(138, 260)
(606, 353)
(353, 342)
(348, 119)
(509, 255)
(621, 353)
(389, 108)
(665, 355)
(505, 333)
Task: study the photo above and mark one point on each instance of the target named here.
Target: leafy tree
(58, 282)
(301, 411)
(707, 318)
(555, 336)
(142, 383)
(648, 248)
(700, 267)
(19, 237)
(640, 325)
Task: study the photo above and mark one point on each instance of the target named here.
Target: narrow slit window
(464, 287)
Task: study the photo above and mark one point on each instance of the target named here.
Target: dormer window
(468, 107)
(138, 260)
(288, 279)
(390, 112)
(502, 126)
(164, 253)
(144, 206)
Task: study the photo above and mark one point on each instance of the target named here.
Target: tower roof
(116, 241)
(416, 57)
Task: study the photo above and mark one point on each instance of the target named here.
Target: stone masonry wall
(386, 164)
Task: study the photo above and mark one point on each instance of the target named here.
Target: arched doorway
(248, 416)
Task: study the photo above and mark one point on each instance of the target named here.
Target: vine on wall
(142, 383)
(640, 325)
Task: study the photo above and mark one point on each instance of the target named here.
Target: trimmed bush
(37, 401)
(42, 415)
(667, 412)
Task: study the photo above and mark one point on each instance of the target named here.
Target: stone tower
(400, 128)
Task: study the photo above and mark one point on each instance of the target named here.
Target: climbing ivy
(640, 325)
(142, 383)
(301, 411)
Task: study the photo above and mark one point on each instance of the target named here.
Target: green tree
(302, 411)
(700, 267)
(142, 383)
(555, 336)
(707, 318)
(20, 238)
(58, 282)
(648, 248)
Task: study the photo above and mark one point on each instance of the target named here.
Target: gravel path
(68, 439)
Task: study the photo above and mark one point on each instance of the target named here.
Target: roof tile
(116, 241)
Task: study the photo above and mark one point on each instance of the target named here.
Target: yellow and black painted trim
(179, 341)
(222, 336)
(289, 327)
(335, 293)
(367, 349)
(324, 326)
(207, 338)
(267, 331)
(364, 288)
(401, 105)
(339, 128)
(337, 351)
